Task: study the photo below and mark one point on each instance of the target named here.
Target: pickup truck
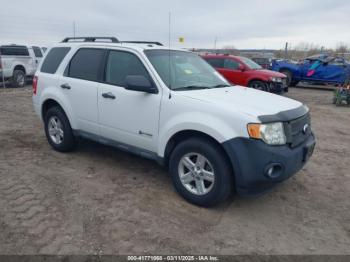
(319, 69)
(17, 63)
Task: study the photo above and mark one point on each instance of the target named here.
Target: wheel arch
(283, 69)
(256, 79)
(20, 67)
(51, 102)
(182, 135)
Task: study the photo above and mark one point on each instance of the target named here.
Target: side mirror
(139, 83)
(241, 67)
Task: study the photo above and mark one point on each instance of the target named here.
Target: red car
(243, 71)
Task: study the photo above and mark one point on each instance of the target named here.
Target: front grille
(298, 130)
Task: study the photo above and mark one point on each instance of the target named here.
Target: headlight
(272, 134)
(276, 79)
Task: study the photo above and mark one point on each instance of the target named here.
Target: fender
(257, 78)
(53, 93)
(196, 121)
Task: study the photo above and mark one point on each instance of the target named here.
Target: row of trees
(306, 49)
(301, 50)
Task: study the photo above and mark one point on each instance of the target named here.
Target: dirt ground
(98, 200)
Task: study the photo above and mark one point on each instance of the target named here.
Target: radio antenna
(169, 44)
(74, 29)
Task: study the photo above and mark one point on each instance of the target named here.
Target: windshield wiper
(191, 87)
(220, 85)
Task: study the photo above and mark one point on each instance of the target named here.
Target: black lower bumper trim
(250, 159)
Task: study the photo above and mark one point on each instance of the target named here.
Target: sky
(261, 24)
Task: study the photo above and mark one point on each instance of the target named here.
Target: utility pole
(286, 51)
(215, 41)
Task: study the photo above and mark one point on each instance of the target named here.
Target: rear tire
(212, 183)
(259, 85)
(18, 79)
(58, 130)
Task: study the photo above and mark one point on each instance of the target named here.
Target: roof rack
(142, 42)
(13, 46)
(90, 39)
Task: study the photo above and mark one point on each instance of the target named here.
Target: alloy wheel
(196, 173)
(55, 129)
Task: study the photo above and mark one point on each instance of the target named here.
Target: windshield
(182, 70)
(250, 63)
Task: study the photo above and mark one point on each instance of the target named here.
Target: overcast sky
(243, 24)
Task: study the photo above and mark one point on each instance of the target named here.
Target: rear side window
(14, 50)
(121, 64)
(231, 64)
(54, 59)
(86, 64)
(37, 51)
(215, 62)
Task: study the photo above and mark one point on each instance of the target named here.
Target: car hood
(270, 73)
(249, 101)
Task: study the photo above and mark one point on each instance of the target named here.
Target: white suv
(173, 107)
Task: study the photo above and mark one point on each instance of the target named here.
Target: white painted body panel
(222, 113)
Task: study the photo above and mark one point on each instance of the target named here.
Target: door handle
(65, 86)
(108, 95)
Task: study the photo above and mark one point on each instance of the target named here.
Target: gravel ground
(98, 200)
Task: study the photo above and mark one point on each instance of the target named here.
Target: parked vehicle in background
(19, 62)
(171, 106)
(262, 61)
(319, 69)
(243, 71)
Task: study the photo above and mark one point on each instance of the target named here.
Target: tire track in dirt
(29, 212)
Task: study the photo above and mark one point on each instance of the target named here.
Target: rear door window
(54, 59)
(215, 62)
(87, 64)
(37, 51)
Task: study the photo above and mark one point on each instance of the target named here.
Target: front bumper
(278, 87)
(251, 160)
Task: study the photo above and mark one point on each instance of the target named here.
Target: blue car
(319, 69)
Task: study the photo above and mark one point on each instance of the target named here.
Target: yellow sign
(181, 39)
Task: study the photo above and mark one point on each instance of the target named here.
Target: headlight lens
(272, 134)
(276, 79)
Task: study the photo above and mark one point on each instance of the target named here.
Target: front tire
(200, 172)
(58, 130)
(259, 85)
